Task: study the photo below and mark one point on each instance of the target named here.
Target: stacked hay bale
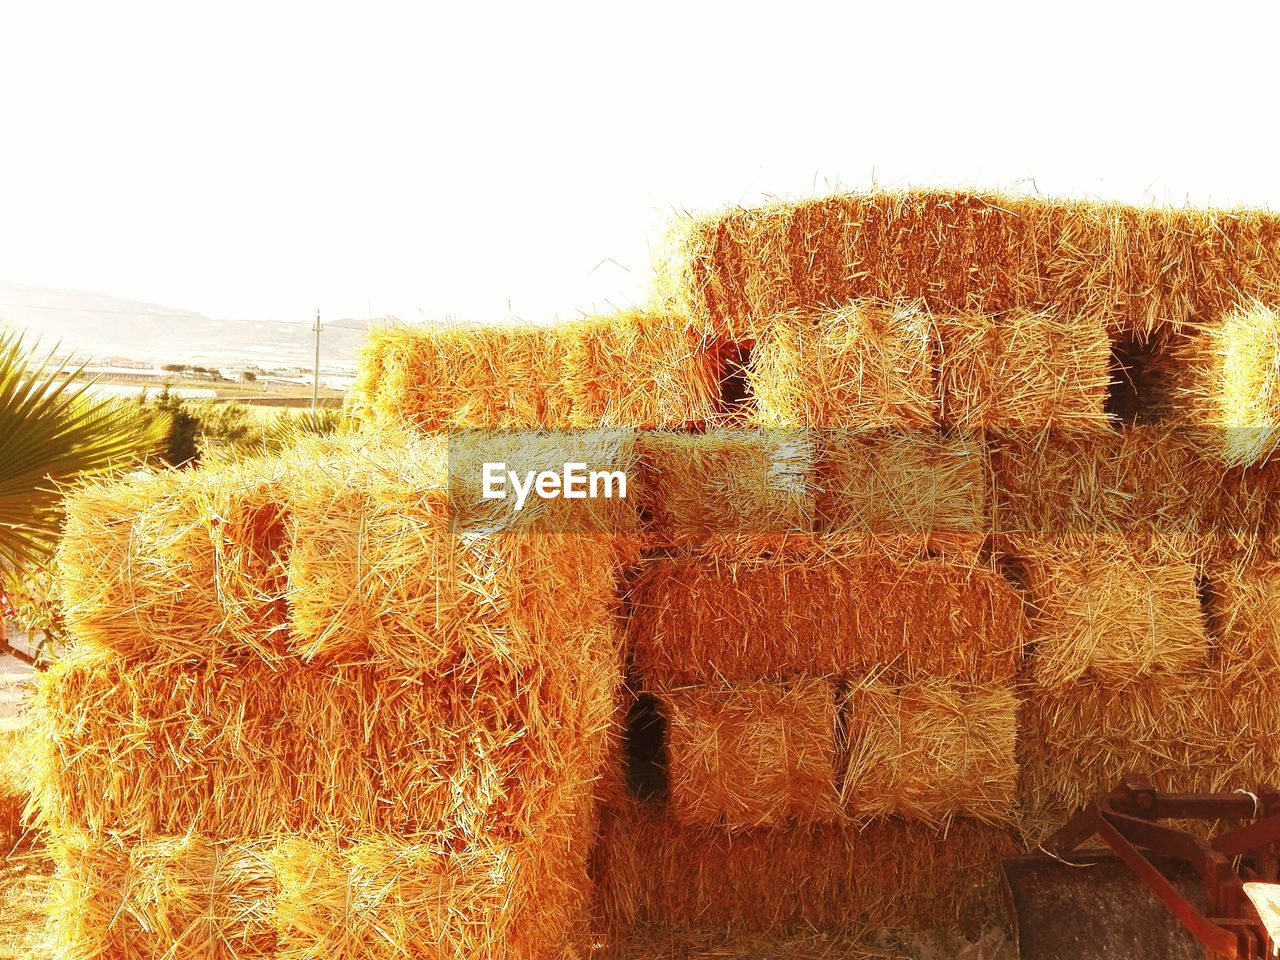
(325, 705)
(960, 365)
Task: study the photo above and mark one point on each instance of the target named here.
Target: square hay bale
(1244, 615)
(161, 749)
(648, 371)
(1136, 268)
(383, 897)
(1189, 732)
(929, 751)
(692, 485)
(185, 896)
(1235, 362)
(653, 869)
(236, 752)
(752, 755)
(895, 483)
(1022, 370)
(864, 365)
(178, 564)
(1112, 610)
(743, 609)
(631, 369)
(1099, 482)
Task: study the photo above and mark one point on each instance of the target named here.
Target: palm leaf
(51, 433)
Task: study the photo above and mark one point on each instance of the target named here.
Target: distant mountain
(100, 326)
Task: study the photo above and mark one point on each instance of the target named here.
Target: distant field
(260, 394)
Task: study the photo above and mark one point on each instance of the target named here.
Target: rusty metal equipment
(1159, 891)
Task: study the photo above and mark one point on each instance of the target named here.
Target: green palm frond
(52, 432)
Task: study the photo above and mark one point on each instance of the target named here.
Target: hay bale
(179, 563)
(242, 752)
(724, 480)
(819, 877)
(1235, 362)
(1098, 481)
(1022, 370)
(159, 750)
(1112, 610)
(385, 897)
(894, 483)
(1244, 615)
(752, 755)
(929, 751)
(864, 365)
(743, 609)
(1136, 269)
(184, 896)
(630, 369)
(1189, 732)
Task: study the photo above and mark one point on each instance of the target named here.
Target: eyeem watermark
(574, 482)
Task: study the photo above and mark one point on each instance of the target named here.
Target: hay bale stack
(864, 365)
(753, 754)
(652, 869)
(895, 483)
(1235, 361)
(929, 751)
(746, 609)
(1135, 269)
(445, 681)
(630, 369)
(722, 481)
(1112, 610)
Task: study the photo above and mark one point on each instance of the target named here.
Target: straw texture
(721, 481)
(630, 369)
(1113, 610)
(1190, 732)
(1135, 269)
(865, 365)
(757, 608)
(752, 755)
(654, 870)
(929, 751)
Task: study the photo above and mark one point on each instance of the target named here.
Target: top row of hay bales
(887, 309)
(1136, 269)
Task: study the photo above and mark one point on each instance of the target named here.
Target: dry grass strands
(1190, 732)
(723, 481)
(392, 563)
(1022, 370)
(179, 563)
(752, 755)
(901, 482)
(626, 370)
(1103, 481)
(929, 751)
(652, 869)
(1244, 615)
(1112, 610)
(1236, 391)
(770, 607)
(863, 365)
(246, 752)
(382, 897)
(173, 897)
(1136, 269)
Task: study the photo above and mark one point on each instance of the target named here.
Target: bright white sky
(256, 160)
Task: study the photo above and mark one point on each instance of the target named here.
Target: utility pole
(315, 379)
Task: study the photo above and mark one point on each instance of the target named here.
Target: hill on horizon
(99, 326)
